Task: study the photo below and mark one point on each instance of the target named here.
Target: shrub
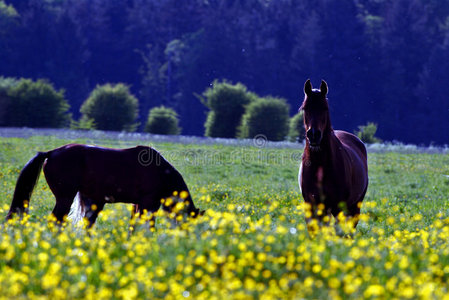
(111, 107)
(5, 86)
(227, 105)
(84, 123)
(162, 120)
(366, 133)
(296, 131)
(33, 104)
(267, 116)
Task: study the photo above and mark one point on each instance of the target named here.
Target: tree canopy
(385, 61)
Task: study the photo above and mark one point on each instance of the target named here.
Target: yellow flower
(316, 268)
(184, 195)
(160, 272)
(50, 281)
(407, 292)
(403, 263)
(266, 274)
(374, 290)
(200, 260)
(427, 290)
(334, 283)
(270, 239)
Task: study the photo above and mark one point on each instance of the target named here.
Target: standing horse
(333, 176)
(139, 175)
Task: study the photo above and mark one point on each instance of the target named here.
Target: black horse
(138, 175)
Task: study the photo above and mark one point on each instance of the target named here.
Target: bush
(366, 133)
(32, 104)
(162, 120)
(84, 123)
(111, 107)
(5, 86)
(296, 131)
(267, 116)
(227, 105)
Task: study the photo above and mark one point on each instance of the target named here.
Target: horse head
(180, 206)
(316, 114)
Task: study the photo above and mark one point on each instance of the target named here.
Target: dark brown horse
(139, 175)
(333, 175)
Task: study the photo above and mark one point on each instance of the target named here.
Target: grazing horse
(138, 175)
(333, 176)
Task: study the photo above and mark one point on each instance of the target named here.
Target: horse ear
(308, 87)
(323, 88)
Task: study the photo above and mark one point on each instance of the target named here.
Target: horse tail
(77, 209)
(25, 184)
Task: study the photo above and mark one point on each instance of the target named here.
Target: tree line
(385, 61)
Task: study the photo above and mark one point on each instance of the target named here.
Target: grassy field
(251, 244)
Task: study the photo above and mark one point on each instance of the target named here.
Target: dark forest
(386, 61)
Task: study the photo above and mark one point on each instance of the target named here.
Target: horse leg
(64, 200)
(350, 217)
(64, 189)
(92, 209)
(313, 220)
(62, 208)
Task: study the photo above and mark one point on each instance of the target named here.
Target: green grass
(252, 243)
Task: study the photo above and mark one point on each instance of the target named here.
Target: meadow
(252, 243)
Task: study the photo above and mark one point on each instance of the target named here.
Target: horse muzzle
(314, 136)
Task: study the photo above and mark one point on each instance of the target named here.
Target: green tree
(296, 131)
(366, 133)
(227, 105)
(111, 107)
(8, 17)
(162, 120)
(34, 104)
(267, 116)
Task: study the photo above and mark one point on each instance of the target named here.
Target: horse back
(123, 174)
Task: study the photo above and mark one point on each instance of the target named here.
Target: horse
(333, 175)
(96, 176)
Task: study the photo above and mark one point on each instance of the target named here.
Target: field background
(252, 242)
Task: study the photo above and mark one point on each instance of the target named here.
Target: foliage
(296, 131)
(28, 103)
(162, 120)
(366, 133)
(8, 17)
(252, 242)
(5, 85)
(111, 107)
(267, 116)
(227, 105)
(84, 123)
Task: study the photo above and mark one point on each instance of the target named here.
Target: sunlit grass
(252, 243)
